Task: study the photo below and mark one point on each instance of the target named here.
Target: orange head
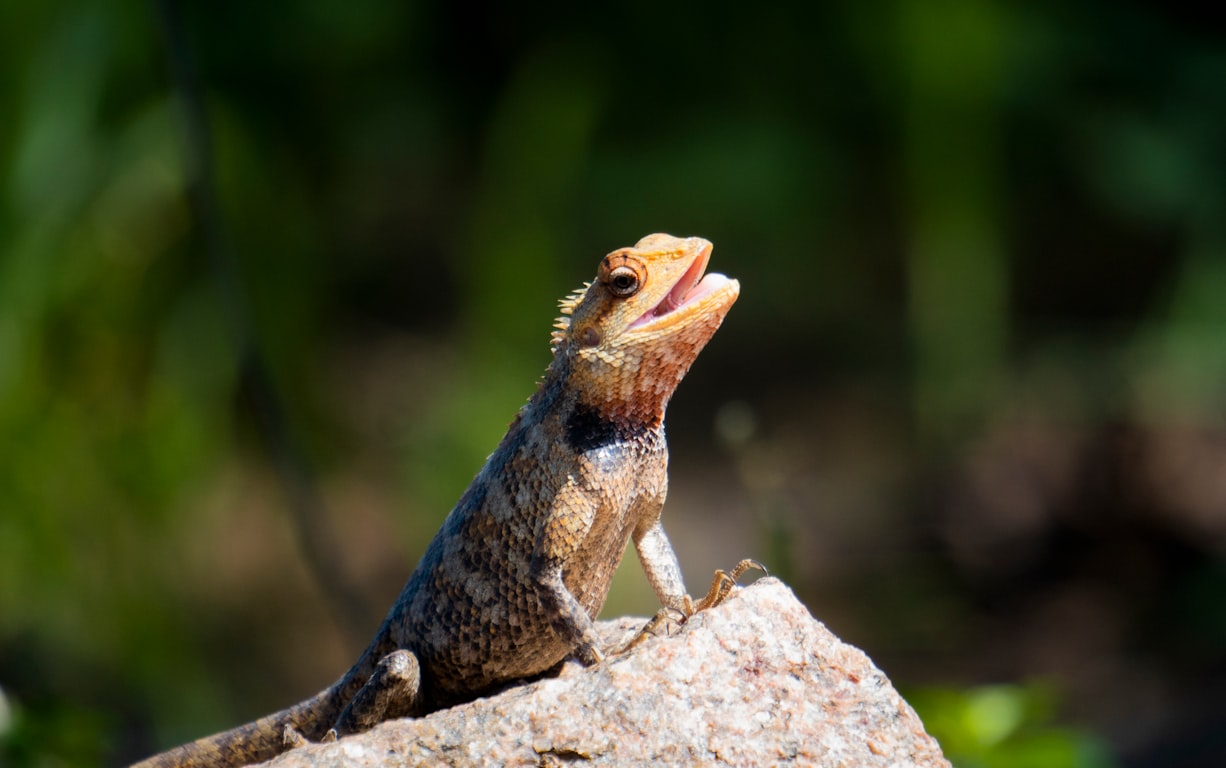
(630, 336)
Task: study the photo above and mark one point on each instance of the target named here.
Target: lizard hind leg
(393, 689)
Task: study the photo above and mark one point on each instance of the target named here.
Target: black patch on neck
(588, 429)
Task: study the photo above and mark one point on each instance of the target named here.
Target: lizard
(511, 583)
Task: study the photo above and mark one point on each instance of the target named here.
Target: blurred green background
(274, 277)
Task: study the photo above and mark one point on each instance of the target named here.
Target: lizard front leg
(660, 564)
(664, 573)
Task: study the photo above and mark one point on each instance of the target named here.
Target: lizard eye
(623, 282)
(623, 274)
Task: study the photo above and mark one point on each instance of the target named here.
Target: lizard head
(632, 334)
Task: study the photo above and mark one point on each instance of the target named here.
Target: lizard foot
(724, 581)
(588, 654)
(293, 738)
(393, 689)
(665, 617)
(721, 587)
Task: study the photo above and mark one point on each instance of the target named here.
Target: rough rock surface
(756, 681)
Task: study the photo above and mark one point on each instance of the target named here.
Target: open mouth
(691, 289)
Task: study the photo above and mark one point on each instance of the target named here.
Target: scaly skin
(512, 581)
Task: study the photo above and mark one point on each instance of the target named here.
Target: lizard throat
(588, 429)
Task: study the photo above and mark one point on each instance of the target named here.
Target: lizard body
(512, 581)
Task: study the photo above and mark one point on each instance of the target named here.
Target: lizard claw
(588, 654)
(293, 738)
(724, 581)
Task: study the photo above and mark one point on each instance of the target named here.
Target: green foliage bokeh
(944, 215)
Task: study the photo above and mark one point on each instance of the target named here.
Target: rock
(756, 681)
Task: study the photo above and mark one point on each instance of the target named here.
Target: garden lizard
(511, 583)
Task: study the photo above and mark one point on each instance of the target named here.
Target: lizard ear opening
(589, 337)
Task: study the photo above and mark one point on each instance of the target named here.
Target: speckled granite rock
(756, 681)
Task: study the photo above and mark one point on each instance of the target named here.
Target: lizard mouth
(691, 293)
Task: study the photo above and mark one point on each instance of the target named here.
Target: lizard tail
(254, 742)
(269, 736)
